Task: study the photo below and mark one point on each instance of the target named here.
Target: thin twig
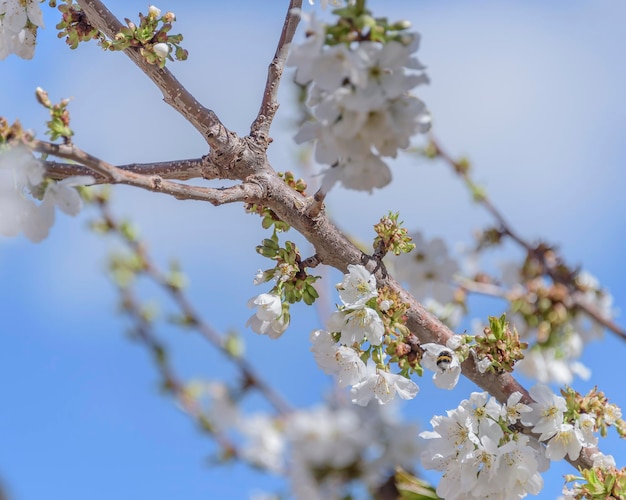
(260, 128)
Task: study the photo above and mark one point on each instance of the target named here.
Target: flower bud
(161, 49)
(154, 12)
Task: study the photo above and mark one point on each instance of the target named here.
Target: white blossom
(21, 175)
(547, 412)
(382, 386)
(154, 12)
(602, 461)
(19, 21)
(587, 424)
(357, 325)
(338, 360)
(514, 409)
(427, 269)
(266, 445)
(161, 49)
(268, 318)
(444, 362)
(567, 440)
(357, 287)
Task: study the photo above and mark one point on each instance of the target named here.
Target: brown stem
(260, 128)
(248, 192)
(174, 93)
(177, 169)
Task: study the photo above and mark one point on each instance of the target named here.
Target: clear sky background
(532, 91)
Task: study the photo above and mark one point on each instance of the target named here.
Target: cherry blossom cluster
(339, 351)
(482, 455)
(359, 98)
(561, 331)
(478, 453)
(429, 273)
(22, 184)
(323, 450)
(293, 284)
(19, 21)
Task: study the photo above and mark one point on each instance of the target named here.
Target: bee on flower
(444, 362)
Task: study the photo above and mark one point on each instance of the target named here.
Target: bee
(444, 359)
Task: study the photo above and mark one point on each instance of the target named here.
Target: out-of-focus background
(531, 91)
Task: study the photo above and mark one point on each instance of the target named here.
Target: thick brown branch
(260, 128)
(181, 170)
(174, 93)
(333, 248)
(248, 192)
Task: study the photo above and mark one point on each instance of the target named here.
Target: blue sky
(531, 91)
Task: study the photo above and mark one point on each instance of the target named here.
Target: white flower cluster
(477, 460)
(19, 20)
(555, 365)
(359, 99)
(427, 269)
(369, 442)
(559, 362)
(20, 176)
(356, 322)
(546, 419)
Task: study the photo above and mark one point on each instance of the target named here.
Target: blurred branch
(552, 265)
(192, 318)
(261, 126)
(143, 331)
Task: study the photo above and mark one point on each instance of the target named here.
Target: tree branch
(195, 321)
(260, 128)
(248, 192)
(508, 230)
(177, 169)
(143, 332)
(174, 93)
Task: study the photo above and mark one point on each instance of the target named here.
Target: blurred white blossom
(22, 177)
(427, 269)
(19, 21)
